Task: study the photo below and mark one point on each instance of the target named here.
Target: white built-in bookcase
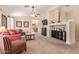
(69, 25)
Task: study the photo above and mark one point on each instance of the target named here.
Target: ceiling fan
(26, 6)
(67, 5)
(34, 14)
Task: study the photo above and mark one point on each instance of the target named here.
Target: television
(45, 22)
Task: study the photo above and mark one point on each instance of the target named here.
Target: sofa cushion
(5, 33)
(18, 31)
(14, 37)
(12, 32)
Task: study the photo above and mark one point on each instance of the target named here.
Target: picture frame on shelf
(18, 23)
(26, 24)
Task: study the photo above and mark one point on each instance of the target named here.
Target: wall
(76, 17)
(22, 18)
(66, 13)
(10, 23)
(74, 14)
(53, 15)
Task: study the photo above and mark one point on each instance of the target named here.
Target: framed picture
(26, 24)
(4, 21)
(18, 23)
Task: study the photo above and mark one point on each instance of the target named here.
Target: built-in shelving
(58, 24)
(69, 28)
(58, 21)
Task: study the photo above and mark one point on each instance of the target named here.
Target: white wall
(12, 23)
(76, 17)
(23, 18)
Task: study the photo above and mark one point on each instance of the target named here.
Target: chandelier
(33, 12)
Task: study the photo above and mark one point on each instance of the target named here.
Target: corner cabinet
(68, 27)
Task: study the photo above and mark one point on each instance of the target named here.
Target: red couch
(12, 47)
(12, 42)
(12, 34)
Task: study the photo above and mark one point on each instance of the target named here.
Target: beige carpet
(43, 45)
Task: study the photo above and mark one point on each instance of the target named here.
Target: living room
(43, 28)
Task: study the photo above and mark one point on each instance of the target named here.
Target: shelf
(58, 24)
(69, 28)
(45, 26)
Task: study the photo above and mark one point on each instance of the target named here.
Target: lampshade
(17, 28)
(2, 29)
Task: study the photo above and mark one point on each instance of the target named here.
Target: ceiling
(20, 10)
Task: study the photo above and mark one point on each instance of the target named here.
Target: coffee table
(30, 36)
